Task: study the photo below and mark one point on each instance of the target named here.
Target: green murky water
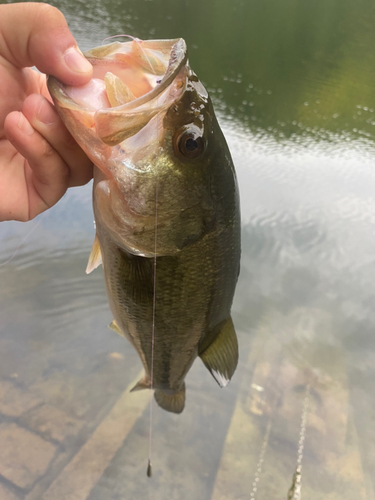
(293, 86)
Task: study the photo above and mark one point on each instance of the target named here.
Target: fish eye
(190, 143)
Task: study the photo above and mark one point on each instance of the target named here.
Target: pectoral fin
(221, 355)
(95, 258)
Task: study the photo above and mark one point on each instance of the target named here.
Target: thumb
(36, 34)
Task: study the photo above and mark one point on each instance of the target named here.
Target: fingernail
(45, 113)
(76, 61)
(24, 125)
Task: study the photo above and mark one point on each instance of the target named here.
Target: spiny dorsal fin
(144, 383)
(95, 258)
(221, 356)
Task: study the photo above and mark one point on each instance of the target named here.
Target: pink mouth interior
(93, 95)
(132, 83)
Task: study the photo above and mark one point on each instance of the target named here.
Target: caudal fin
(174, 402)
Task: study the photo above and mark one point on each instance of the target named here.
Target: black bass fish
(165, 197)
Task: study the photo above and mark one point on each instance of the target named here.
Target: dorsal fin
(221, 355)
(95, 258)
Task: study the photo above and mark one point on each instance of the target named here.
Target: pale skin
(39, 160)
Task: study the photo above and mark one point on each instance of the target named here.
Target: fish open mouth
(132, 82)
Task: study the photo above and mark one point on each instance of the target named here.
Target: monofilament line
(136, 40)
(149, 466)
(117, 36)
(296, 488)
(23, 241)
(259, 465)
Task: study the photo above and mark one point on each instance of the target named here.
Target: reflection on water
(293, 86)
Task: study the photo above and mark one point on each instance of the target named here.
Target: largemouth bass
(165, 198)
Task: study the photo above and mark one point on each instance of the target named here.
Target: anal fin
(115, 328)
(171, 401)
(95, 258)
(144, 383)
(221, 355)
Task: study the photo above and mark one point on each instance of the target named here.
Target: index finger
(37, 34)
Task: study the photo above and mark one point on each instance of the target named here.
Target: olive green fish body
(166, 206)
(194, 292)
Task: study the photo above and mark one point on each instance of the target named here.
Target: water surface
(293, 87)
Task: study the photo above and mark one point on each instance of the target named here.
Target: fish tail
(174, 402)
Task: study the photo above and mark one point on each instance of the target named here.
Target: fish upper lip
(109, 122)
(112, 125)
(178, 58)
(177, 61)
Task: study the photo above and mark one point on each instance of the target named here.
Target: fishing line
(259, 465)
(295, 490)
(149, 464)
(23, 241)
(138, 42)
(128, 36)
(270, 398)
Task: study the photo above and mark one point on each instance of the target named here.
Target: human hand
(39, 159)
